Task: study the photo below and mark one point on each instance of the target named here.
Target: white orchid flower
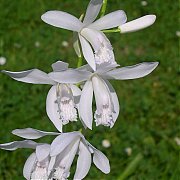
(137, 24)
(60, 155)
(62, 99)
(107, 105)
(89, 31)
(36, 166)
(66, 146)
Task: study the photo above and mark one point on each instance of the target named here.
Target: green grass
(148, 121)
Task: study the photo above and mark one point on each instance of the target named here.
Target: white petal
(138, 24)
(86, 67)
(76, 44)
(115, 102)
(62, 141)
(70, 76)
(29, 165)
(42, 152)
(83, 162)
(110, 20)
(101, 161)
(52, 108)
(62, 20)
(30, 133)
(11, 146)
(51, 164)
(92, 11)
(59, 66)
(75, 90)
(87, 52)
(132, 72)
(34, 76)
(85, 109)
(70, 155)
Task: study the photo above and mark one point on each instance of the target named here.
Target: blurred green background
(147, 132)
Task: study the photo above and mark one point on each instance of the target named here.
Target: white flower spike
(138, 24)
(107, 105)
(89, 31)
(62, 99)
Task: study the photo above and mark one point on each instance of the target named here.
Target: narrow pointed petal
(138, 24)
(71, 155)
(85, 106)
(86, 67)
(83, 162)
(42, 152)
(62, 20)
(87, 52)
(70, 76)
(132, 72)
(52, 108)
(29, 133)
(115, 101)
(59, 66)
(101, 161)
(62, 141)
(92, 11)
(29, 165)
(11, 146)
(109, 21)
(34, 76)
(76, 44)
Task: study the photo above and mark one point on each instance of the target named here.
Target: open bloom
(55, 160)
(36, 166)
(89, 31)
(62, 99)
(107, 105)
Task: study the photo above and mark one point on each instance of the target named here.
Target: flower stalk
(104, 6)
(112, 30)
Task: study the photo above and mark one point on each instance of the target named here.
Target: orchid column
(71, 96)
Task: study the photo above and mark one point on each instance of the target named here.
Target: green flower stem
(80, 61)
(112, 30)
(131, 167)
(103, 9)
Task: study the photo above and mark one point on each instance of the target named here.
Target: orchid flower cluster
(70, 97)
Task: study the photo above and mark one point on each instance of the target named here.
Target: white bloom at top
(107, 104)
(62, 99)
(137, 24)
(88, 32)
(54, 161)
